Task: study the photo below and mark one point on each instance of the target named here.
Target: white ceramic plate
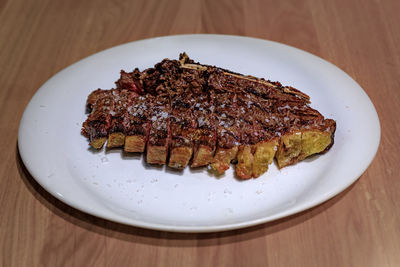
(126, 190)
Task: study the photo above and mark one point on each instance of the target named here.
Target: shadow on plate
(152, 237)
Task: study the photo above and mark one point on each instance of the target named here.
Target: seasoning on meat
(181, 112)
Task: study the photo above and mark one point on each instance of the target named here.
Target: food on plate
(184, 113)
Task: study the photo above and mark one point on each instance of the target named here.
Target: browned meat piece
(130, 81)
(182, 128)
(265, 149)
(94, 96)
(205, 138)
(159, 136)
(228, 131)
(137, 124)
(98, 123)
(248, 137)
(122, 100)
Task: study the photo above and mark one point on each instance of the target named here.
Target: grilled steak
(181, 112)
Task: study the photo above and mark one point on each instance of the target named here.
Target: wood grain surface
(359, 227)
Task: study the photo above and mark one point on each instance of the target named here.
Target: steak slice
(306, 133)
(98, 123)
(122, 100)
(228, 131)
(205, 137)
(265, 149)
(159, 135)
(137, 123)
(182, 128)
(245, 157)
(194, 80)
(94, 97)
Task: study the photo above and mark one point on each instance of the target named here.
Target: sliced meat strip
(159, 136)
(94, 97)
(122, 101)
(205, 138)
(304, 132)
(182, 128)
(266, 147)
(98, 123)
(244, 166)
(228, 131)
(137, 123)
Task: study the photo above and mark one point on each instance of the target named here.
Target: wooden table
(359, 227)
